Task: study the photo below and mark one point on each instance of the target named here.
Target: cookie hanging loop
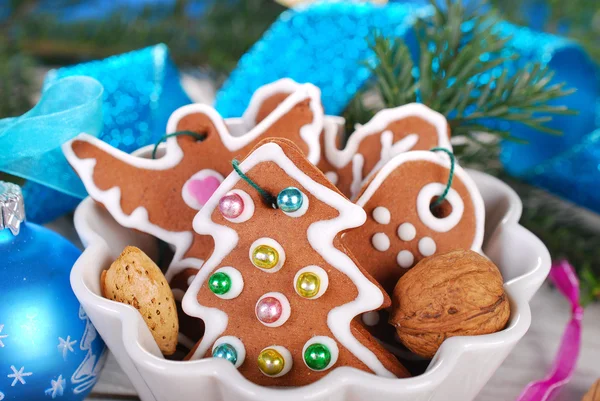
(199, 137)
(442, 197)
(267, 198)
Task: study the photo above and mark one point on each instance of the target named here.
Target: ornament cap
(12, 208)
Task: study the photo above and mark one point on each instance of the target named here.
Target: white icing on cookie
(358, 162)
(287, 359)
(370, 318)
(191, 194)
(405, 259)
(332, 176)
(190, 279)
(300, 212)
(382, 215)
(329, 343)
(407, 232)
(248, 211)
(321, 235)
(237, 282)
(427, 246)
(323, 279)
(237, 344)
(273, 244)
(381, 242)
(445, 224)
(286, 309)
(443, 160)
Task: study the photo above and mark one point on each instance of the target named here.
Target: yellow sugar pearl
(265, 257)
(308, 284)
(270, 362)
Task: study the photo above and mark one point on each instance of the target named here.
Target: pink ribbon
(564, 278)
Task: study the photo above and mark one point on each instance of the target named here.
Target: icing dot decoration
(381, 242)
(219, 283)
(407, 232)
(370, 318)
(267, 255)
(382, 215)
(272, 309)
(231, 349)
(317, 356)
(320, 353)
(405, 259)
(225, 351)
(427, 246)
(290, 199)
(274, 361)
(231, 205)
(311, 282)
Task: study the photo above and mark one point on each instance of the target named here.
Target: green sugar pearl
(317, 356)
(219, 283)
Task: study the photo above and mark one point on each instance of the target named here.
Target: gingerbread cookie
(280, 293)
(402, 228)
(390, 132)
(161, 196)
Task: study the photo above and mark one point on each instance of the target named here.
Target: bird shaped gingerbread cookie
(161, 196)
(280, 292)
(405, 223)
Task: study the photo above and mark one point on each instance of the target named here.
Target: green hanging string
(442, 197)
(199, 137)
(269, 199)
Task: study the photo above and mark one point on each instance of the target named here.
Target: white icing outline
(248, 211)
(371, 318)
(407, 236)
(404, 252)
(323, 280)
(286, 309)
(358, 161)
(188, 198)
(440, 159)
(340, 158)
(173, 155)
(288, 362)
(377, 239)
(273, 244)
(237, 344)
(427, 242)
(444, 224)
(321, 235)
(382, 215)
(300, 212)
(329, 343)
(237, 282)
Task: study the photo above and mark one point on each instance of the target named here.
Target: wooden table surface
(530, 359)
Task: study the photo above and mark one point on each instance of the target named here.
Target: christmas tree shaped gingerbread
(280, 293)
(161, 196)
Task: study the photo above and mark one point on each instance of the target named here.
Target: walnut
(459, 293)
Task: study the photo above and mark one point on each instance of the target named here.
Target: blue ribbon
(324, 43)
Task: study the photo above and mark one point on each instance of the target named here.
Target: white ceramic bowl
(458, 371)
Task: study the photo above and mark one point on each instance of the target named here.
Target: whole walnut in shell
(459, 293)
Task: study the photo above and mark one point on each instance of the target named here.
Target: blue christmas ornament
(290, 199)
(49, 349)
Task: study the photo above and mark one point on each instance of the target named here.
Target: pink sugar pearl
(268, 310)
(231, 205)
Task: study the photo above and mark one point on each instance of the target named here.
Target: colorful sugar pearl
(231, 205)
(219, 283)
(269, 310)
(271, 362)
(265, 257)
(308, 284)
(317, 356)
(225, 351)
(290, 199)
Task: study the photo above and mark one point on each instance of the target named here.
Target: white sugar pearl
(332, 176)
(407, 232)
(427, 246)
(405, 259)
(382, 215)
(190, 279)
(381, 242)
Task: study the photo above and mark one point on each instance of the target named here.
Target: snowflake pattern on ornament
(18, 375)
(2, 336)
(66, 346)
(57, 387)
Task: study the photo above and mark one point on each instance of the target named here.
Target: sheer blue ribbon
(31, 143)
(324, 43)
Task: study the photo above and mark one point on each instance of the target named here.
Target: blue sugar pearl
(225, 351)
(290, 199)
